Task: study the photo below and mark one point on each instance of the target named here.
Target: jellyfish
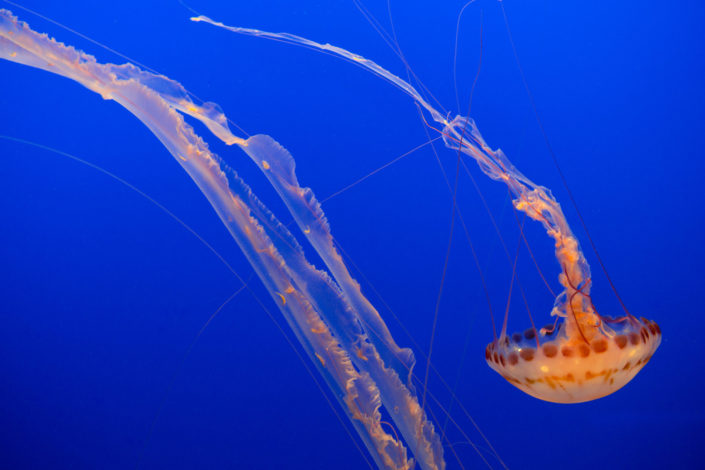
(339, 329)
(586, 355)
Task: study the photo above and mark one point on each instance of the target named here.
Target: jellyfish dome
(560, 366)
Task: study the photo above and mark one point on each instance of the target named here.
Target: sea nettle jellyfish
(582, 357)
(586, 355)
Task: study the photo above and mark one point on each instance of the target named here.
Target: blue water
(103, 293)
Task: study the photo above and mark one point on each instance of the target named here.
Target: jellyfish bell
(575, 361)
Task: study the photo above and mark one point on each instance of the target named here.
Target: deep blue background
(101, 293)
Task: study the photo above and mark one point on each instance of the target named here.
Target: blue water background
(102, 293)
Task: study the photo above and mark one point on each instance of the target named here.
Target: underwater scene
(348, 235)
